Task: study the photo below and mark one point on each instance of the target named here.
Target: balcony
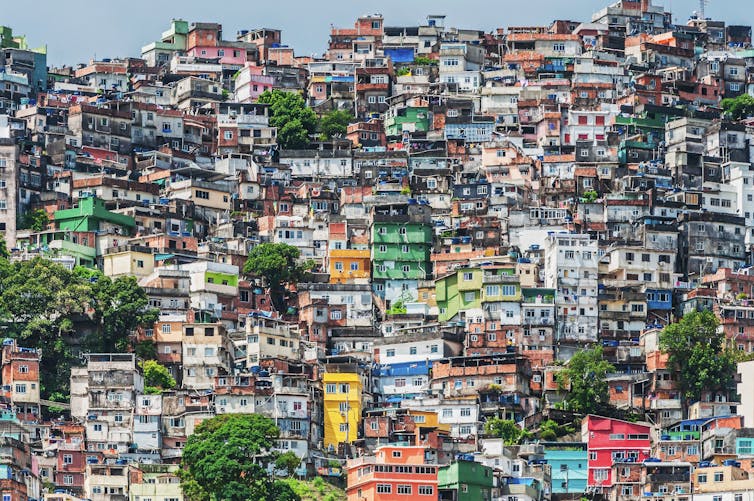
(500, 279)
(663, 403)
(371, 87)
(661, 478)
(538, 321)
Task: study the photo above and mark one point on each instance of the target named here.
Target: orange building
(393, 473)
(350, 265)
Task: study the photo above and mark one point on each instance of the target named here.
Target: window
(404, 489)
(20, 388)
(67, 459)
(330, 388)
(465, 411)
(426, 490)
(343, 427)
(509, 290)
(702, 479)
(718, 476)
(67, 480)
(601, 474)
(384, 488)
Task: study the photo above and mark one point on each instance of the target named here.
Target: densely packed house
(494, 204)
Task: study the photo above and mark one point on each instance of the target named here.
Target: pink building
(228, 55)
(612, 441)
(250, 83)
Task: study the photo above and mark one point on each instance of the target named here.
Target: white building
(571, 268)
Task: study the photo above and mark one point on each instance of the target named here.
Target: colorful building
(609, 441)
(469, 289)
(342, 404)
(465, 481)
(349, 265)
(393, 473)
(91, 215)
(401, 243)
(568, 466)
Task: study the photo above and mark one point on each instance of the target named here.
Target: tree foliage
(740, 107)
(334, 123)
(45, 306)
(118, 307)
(585, 376)
(277, 264)
(697, 351)
(289, 113)
(35, 220)
(227, 458)
(156, 377)
(508, 430)
(288, 462)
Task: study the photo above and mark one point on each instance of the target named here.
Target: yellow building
(349, 265)
(342, 407)
(128, 260)
(426, 293)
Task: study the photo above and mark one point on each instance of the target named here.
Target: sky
(79, 30)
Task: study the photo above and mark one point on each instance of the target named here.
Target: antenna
(702, 5)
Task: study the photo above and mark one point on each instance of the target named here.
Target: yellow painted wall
(332, 400)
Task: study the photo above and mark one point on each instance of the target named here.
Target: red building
(393, 473)
(609, 441)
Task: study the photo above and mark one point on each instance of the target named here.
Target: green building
(416, 117)
(465, 481)
(91, 215)
(401, 246)
(172, 41)
(470, 288)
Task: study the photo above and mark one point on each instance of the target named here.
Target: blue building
(396, 382)
(568, 464)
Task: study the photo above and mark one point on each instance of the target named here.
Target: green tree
(697, 352)
(118, 307)
(334, 123)
(227, 459)
(156, 377)
(288, 462)
(39, 302)
(146, 350)
(424, 61)
(45, 306)
(585, 376)
(508, 430)
(737, 108)
(289, 113)
(277, 264)
(35, 220)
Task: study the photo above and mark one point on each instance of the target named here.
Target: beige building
(106, 482)
(271, 338)
(155, 481)
(215, 195)
(722, 483)
(8, 183)
(128, 260)
(207, 353)
(746, 390)
(103, 395)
